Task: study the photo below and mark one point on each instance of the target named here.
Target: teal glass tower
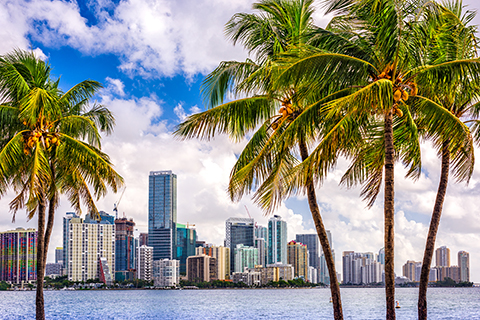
(162, 213)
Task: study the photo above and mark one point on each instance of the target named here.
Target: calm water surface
(358, 303)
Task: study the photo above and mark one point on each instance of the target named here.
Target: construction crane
(115, 205)
(248, 212)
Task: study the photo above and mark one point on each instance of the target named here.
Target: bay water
(358, 303)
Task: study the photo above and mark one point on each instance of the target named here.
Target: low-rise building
(201, 268)
(166, 273)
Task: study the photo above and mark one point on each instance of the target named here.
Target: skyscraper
(185, 245)
(87, 241)
(162, 213)
(222, 254)
(59, 255)
(238, 231)
(464, 265)
(298, 258)
(442, 257)
(18, 255)
(277, 240)
(125, 250)
(313, 247)
(144, 263)
(245, 257)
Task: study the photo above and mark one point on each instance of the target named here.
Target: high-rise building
(222, 254)
(464, 265)
(442, 257)
(145, 263)
(245, 257)
(125, 249)
(381, 256)
(238, 231)
(53, 269)
(59, 255)
(143, 239)
(361, 268)
(201, 268)
(409, 269)
(313, 246)
(186, 240)
(277, 240)
(86, 242)
(166, 273)
(261, 246)
(18, 255)
(297, 256)
(162, 213)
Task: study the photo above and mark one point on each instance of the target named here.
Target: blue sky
(151, 56)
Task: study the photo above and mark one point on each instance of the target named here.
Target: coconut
(399, 112)
(397, 95)
(404, 95)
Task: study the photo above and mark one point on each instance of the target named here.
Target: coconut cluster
(285, 111)
(31, 138)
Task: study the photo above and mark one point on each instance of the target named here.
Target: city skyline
(150, 94)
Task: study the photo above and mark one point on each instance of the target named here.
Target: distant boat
(331, 300)
(397, 304)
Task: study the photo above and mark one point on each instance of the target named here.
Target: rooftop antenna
(115, 205)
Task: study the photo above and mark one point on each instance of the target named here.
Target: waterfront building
(452, 272)
(125, 249)
(105, 273)
(261, 246)
(166, 273)
(442, 257)
(86, 241)
(277, 240)
(185, 245)
(464, 265)
(297, 256)
(261, 232)
(53, 270)
(381, 256)
(313, 246)
(143, 239)
(222, 255)
(162, 213)
(201, 268)
(361, 268)
(18, 255)
(238, 231)
(145, 263)
(250, 278)
(409, 269)
(59, 255)
(312, 275)
(245, 257)
(273, 272)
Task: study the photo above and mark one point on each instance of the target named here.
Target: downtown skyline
(152, 81)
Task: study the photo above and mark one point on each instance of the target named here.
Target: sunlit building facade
(18, 255)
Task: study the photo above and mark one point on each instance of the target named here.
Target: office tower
(201, 268)
(261, 247)
(86, 242)
(442, 257)
(53, 269)
(238, 231)
(125, 249)
(222, 254)
(145, 263)
(162, 213)
(297, 256)
(261, 232)
(143, 239)
(186, 240)
(381, 256)
(313, 246)
(277, 240)
(464, 265)
(59, 255)
(166, 273)
(18, 255)
(245, 257)
(409, 269)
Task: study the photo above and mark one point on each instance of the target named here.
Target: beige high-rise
(442, 257)
(222, 254)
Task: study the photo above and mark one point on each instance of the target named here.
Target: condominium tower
(238, 231)
(277, 240)
(18, 255)
(162, 213)
(442, 257)
(464, 265)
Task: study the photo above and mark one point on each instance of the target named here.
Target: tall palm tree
(450, 40)
(50, 145)
(367, 48)
(277, 27)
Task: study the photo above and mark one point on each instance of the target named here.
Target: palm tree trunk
(432, 232)
(51, 215)
(389, 212)
(39, 303)
(322, 236)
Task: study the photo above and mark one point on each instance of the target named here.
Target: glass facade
(277, 240)
(239, 231)
(162, 213)
(185, 245)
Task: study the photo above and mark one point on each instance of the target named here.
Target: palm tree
(451, 40)
(265, 161)
(50, 145)
(368, 48)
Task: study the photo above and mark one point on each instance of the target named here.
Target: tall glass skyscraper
(185, 245)
(239, 231)
(277, 240)
(162, 213)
